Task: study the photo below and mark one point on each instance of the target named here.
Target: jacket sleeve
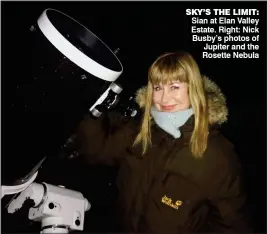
(104, 140)
(230, 212)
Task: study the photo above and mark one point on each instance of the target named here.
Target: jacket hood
(217, 109)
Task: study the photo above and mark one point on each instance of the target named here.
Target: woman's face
(171, 97)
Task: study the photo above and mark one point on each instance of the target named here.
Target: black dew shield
(69, 69)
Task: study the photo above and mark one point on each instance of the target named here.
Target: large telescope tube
(69, 68)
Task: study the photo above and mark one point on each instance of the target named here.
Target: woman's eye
(175, 87)
(157, 88)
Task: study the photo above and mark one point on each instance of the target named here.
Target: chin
(174, 110)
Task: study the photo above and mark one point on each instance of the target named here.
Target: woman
(177, 172)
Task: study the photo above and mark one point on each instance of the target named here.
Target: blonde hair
(170, 67)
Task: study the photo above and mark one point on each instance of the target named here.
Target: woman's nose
(165, 97)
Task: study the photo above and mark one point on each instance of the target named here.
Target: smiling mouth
(168, 107)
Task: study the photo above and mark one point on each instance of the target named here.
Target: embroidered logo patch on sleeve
(168, 201)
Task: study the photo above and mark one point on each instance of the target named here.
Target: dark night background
(142, 31)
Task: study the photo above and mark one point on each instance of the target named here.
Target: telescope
(71, 73)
